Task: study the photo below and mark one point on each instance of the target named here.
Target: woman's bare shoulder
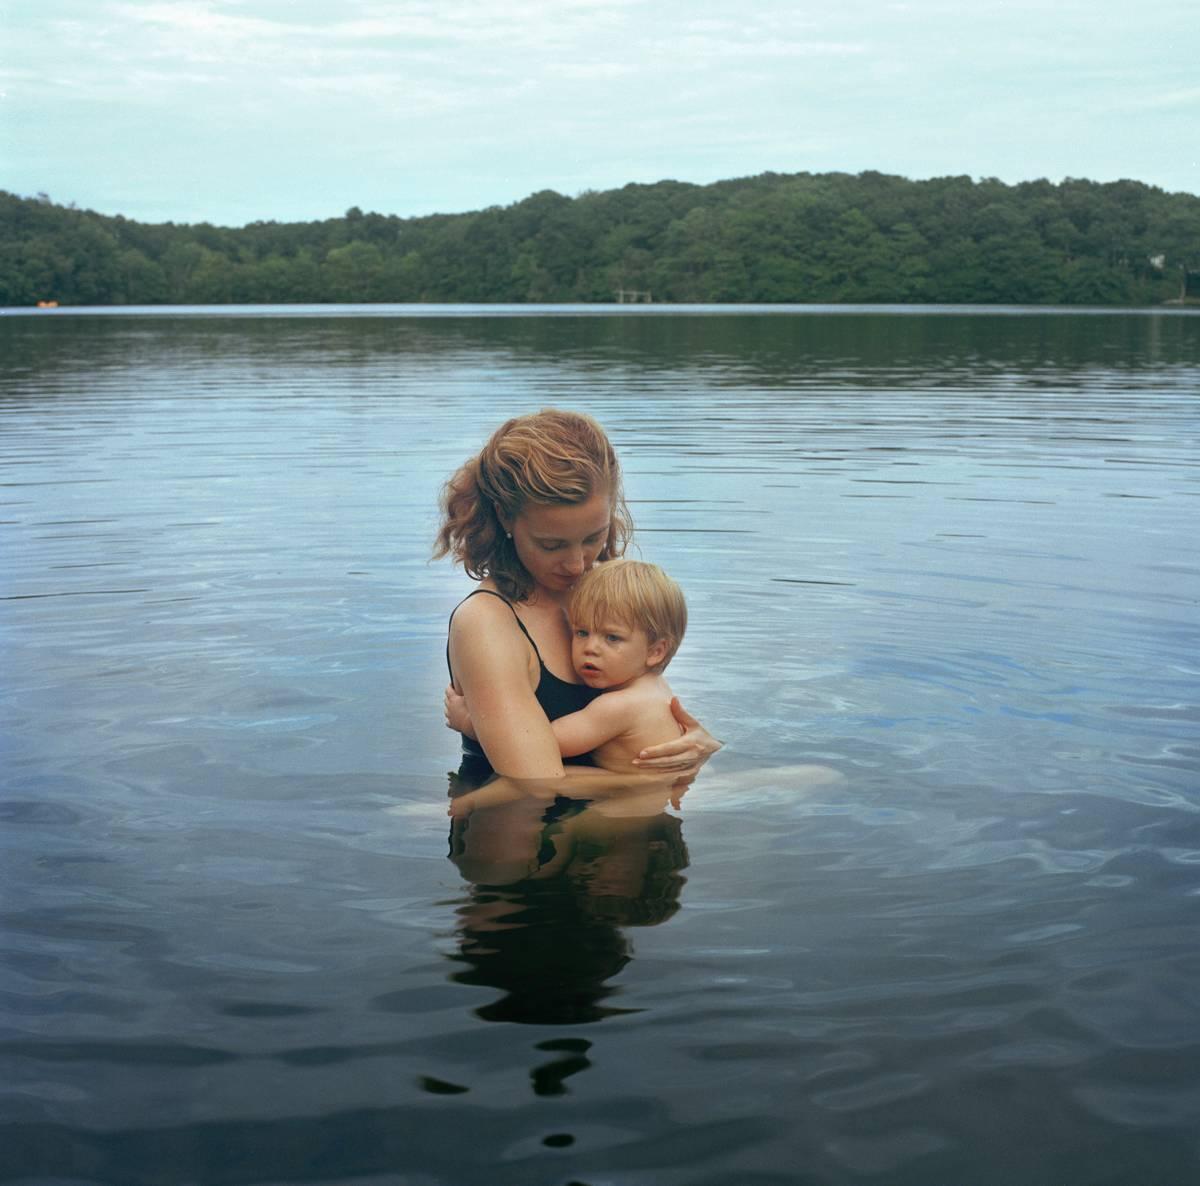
(482, 610)
(486, 635)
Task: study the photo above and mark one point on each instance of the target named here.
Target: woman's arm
(686, 753)
(491, 661)
(586, 783)
(576, 733)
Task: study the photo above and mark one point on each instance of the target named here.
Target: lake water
(947, 555)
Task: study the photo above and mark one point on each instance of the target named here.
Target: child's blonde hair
(635, 594)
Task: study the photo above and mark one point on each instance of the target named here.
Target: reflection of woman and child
(573, 745)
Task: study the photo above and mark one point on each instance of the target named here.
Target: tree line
(803, 237)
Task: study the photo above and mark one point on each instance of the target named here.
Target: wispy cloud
(533, 23)
(701, 48)
(1188, 96)
(197, 19)
(591, 70)
(409, 105)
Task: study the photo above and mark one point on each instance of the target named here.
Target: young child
(627, 621)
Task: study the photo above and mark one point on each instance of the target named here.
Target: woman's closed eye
(556, 545)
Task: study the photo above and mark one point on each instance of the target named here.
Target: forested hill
(773, 238)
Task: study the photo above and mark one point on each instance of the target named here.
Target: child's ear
(657, 652)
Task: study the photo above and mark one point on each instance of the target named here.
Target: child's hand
(457, 716)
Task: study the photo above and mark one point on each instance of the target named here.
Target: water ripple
(942, 611)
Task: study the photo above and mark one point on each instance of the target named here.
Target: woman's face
(559, 542)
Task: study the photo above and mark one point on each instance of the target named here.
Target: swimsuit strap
(512, 607)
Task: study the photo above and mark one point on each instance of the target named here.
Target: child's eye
(614, 638)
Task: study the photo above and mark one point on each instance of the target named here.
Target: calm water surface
(948, 557)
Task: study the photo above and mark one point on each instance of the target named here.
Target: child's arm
(607, 716)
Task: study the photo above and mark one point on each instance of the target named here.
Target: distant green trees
(801, 237)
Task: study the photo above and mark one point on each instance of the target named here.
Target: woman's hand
(457, 716)
(688, 752)
(680, 788)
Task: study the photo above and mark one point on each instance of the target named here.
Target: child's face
(611, 654)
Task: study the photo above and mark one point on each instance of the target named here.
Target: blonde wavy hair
(548, 457)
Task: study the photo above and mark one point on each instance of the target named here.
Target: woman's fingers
(680, 788)
(667, 757)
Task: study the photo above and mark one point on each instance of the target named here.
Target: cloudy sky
(229, 111)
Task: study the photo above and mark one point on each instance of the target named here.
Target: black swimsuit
(556, 696)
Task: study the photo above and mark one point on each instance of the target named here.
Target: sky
(234, 111)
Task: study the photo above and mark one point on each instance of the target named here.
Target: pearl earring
(508, 535)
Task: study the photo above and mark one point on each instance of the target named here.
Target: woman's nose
(575, 564)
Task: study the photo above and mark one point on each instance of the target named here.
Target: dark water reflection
(930, 918)
(554, 889)
(876, 346)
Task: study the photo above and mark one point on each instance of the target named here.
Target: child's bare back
(645, 705)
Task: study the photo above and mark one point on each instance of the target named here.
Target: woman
(539, 505)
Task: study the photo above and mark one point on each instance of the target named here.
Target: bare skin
(496, 672)
(624, 794)
(494, 666)
(619, 725)
(635, 711)
(501, 842)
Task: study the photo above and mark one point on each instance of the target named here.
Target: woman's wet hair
(546, 458)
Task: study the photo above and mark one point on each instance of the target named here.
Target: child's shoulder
(648, 688)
